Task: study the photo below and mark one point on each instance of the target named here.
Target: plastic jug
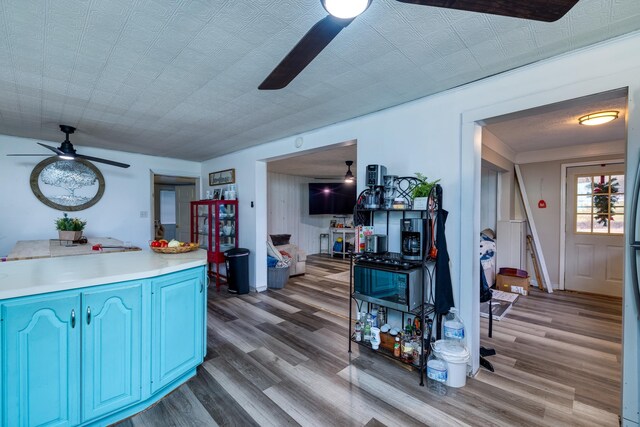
(453, 327)
(436, 368)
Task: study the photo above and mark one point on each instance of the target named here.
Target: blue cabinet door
(40, 361)
(177, 326)
(111, 348)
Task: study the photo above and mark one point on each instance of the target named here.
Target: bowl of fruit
(172, 247)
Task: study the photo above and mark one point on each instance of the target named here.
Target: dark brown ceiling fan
(343, 12)
(67, 152)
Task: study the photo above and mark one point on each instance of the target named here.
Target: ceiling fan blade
(54, 149)
(99, 160)
(316, 39)
(537, 10)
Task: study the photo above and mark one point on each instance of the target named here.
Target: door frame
(563, 208)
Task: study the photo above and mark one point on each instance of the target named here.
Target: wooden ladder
(536, 267)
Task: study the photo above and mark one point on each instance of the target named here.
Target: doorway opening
(288, 205)
(567, 191)
(172, 197)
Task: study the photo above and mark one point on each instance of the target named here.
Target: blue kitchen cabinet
(112, 342)
(41, 360)
(177, 325)
(96, 355)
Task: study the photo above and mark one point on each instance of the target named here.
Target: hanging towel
(444, 290)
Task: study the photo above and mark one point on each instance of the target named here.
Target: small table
(341, 232)
(50, 248)
(324, 236)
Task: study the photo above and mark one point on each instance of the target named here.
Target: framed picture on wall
(227, 176)
(216, 194)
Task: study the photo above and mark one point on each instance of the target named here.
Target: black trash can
(237, 263)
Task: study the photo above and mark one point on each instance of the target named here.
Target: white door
(595, 229)
(184, 195)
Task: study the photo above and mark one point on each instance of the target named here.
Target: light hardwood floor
(280, 358)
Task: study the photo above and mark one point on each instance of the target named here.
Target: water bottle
(374, 318)
(436, 368)
(437, 374)
(367, 329)
(453, 327)
(382, 317)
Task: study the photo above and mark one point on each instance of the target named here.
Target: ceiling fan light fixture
(345, 9)
(598, 118)
(348, 177)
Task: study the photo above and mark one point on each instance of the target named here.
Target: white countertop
(30, 249)
(39, 276)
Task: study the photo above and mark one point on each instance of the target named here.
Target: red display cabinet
(214, 225)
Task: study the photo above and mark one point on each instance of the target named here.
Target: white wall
(488, 198)
(542, 180)
(498, 156)
(128, 192)
(288, 211)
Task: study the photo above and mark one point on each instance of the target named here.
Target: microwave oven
(396, 289)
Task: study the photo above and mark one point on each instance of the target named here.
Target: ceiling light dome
(345, 9)
(599, 118)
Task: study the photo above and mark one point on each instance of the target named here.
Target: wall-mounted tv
(334, 198)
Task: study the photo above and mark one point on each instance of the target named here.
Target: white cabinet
(511, 244)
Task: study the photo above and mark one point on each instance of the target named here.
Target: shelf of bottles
(407, 346)
(214, 225)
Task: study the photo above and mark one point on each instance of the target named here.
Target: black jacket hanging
(444, 289)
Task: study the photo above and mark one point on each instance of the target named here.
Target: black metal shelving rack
(364, 216)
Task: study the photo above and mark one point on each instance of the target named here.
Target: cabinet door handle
(88, 315)
(73, 318)
(201, 286)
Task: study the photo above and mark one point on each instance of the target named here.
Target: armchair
(298, 256)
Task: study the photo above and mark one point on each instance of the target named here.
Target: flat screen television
(333, 198)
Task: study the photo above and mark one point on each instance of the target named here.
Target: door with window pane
(595, 227)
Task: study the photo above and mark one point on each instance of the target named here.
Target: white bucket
(456, 357)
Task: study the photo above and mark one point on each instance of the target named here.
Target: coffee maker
(374, 198)
(412, 238)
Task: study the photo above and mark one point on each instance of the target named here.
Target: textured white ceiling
(326, 163)
(179, 78)
(556, 125)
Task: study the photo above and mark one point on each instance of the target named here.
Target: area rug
(500, 304)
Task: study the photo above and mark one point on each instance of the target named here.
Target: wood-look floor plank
(248, 394)
(246, 366)
(280, 358)
(267, 299)
(220, 405)
(181, 408)
(250, 313)
(398, 398)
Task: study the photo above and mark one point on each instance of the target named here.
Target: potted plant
(69, 228)
(421, 191)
